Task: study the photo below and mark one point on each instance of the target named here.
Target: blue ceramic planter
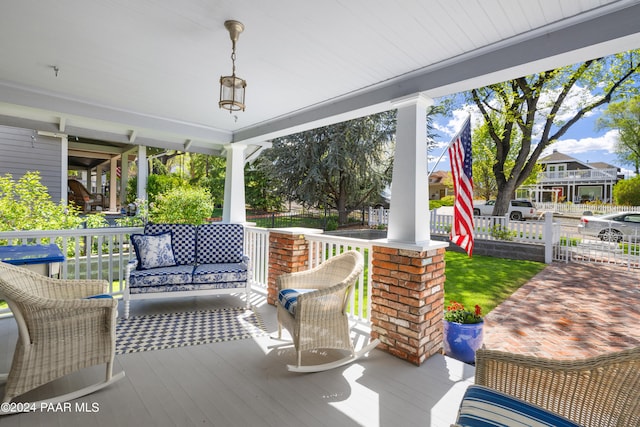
(462, 340)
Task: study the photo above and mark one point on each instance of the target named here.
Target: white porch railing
(256, 243)
(322, 247)
(91, 253)
(578, 175)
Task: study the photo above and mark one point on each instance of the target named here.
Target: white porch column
(409, 207)
(233, 207)
(64, 168)
(143, 172)
(124, 176)
(113, 185)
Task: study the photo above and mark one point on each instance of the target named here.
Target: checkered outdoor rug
(162, 331)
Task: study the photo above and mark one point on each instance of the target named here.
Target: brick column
(407, 302)
(288, 253)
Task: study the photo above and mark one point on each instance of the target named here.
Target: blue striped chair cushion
(288, 298)
(484, 407)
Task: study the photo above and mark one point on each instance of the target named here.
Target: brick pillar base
(407, 302)
(288, 253)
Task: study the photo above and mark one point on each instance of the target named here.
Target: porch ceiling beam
(91, 154)
(85, 114)
(95, 148)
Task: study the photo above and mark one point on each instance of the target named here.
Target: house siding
(23, 150)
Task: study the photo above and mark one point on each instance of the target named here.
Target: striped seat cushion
(482, 406)
(288, 298)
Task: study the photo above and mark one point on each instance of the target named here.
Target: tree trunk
(506, 191)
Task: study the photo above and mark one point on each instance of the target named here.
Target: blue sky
(581, 141)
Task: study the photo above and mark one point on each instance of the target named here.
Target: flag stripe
(461, 171)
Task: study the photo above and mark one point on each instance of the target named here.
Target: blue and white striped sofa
(174, 260)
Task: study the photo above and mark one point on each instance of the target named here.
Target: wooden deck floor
(246, 383)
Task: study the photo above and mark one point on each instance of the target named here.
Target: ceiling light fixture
(232, 87)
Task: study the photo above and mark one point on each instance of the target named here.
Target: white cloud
(605, 142)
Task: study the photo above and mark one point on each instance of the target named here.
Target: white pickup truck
(519, 210)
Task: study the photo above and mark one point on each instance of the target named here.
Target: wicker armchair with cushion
(599, 391)
(312, 306)
(63, 326)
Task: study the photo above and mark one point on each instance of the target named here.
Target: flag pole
(449, 145)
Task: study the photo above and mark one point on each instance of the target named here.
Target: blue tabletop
(31, 254)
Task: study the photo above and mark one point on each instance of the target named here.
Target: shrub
(27, 205)
(182, 205)
(445, 201)
(627, 192)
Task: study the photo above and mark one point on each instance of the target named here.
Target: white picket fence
(578, 209)
(486, 227)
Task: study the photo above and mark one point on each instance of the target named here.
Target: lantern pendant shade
(232, 93)
(232, 88)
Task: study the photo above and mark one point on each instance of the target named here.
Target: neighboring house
(440, 185)
(25, 150)
(570, 179)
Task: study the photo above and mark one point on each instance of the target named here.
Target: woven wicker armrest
(295, 280)
(598, 391)
(323, 303)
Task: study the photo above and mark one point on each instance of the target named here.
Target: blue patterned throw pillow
(153, 251)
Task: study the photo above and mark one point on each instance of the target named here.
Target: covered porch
(245, 382)
(396, 56)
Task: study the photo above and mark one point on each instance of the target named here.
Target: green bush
(156, 185)
(332, 224)
(445, 201)
(182, 205)
(502, 233)
(627, 192)
(27, 205)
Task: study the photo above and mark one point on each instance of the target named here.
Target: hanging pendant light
(232, 88)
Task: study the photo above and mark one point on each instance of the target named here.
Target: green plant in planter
(456, 313)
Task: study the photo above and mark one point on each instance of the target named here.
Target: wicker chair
(312, 307)
(598, 391)
(60, 330)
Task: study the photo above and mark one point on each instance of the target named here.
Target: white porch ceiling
(147, 71)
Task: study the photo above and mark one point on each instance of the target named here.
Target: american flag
(460, 159)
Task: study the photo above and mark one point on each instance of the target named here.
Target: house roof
(437, 176)
(602, 165)
(143, 72)
(558, 157)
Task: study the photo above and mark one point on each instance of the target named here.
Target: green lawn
(484, 280)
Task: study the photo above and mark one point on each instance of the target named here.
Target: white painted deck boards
(245, 383)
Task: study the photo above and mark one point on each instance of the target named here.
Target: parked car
(612, 227)
(519, 210)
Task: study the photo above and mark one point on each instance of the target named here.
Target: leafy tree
(156, 185)
(183, 205)
(209, 172)
(624, 116)
(627, 192)
(27, 205)
(527, 114)
(261, 190)
(341, 166)
(484, 181)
